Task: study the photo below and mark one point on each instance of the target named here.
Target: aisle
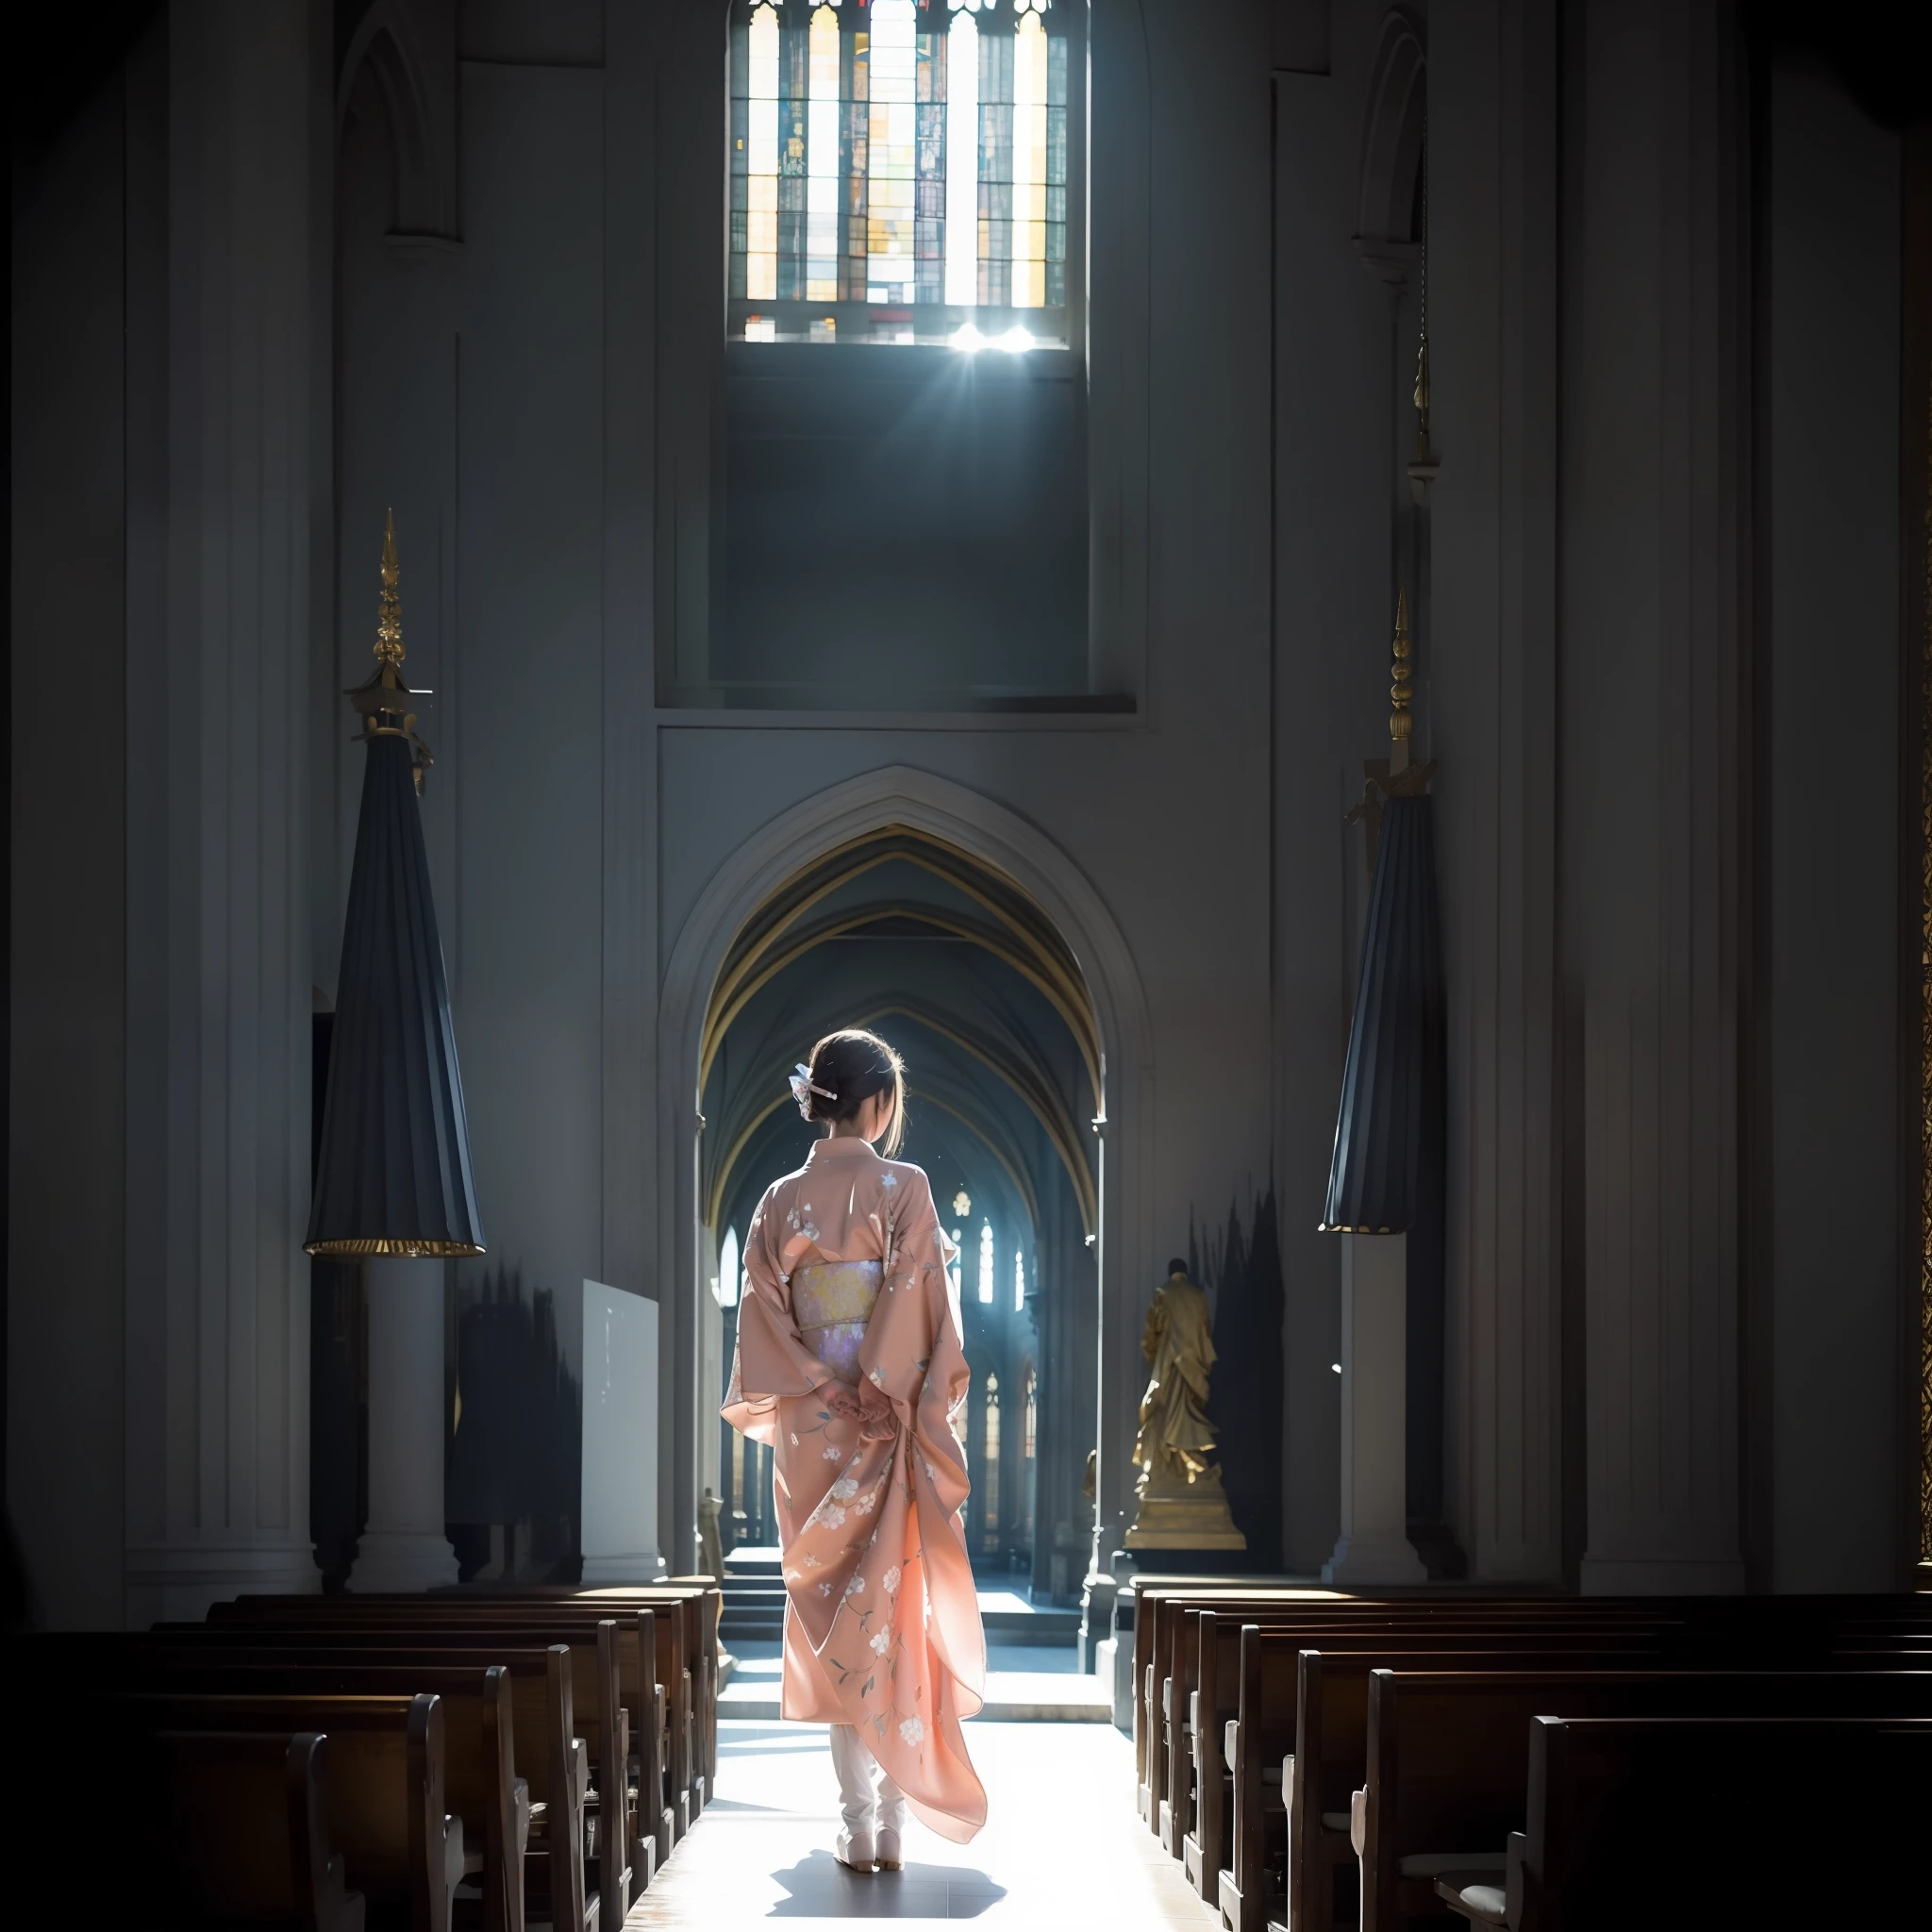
(1030, 1682)
(1062, 1847)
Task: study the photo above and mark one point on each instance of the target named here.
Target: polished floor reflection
(1062, 1847)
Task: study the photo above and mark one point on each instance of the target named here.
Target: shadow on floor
(821, 1888)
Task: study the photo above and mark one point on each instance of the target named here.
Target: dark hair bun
(848, 1069)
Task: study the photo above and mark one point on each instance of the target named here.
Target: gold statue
(1182, 1505)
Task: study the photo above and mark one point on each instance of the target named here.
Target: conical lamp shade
(1392, 1085)
(393, 1176)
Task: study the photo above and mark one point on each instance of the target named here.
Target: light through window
(726, 1287)
(1018, 1282)
(990, 1467)
(899, 171)
(985, 1262)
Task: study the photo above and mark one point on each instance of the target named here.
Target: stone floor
(1063, 1847)
(1025, 1682)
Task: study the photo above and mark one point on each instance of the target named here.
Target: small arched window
(990, 1468)
(726, 1287)
(986, 1263)
(900, 172)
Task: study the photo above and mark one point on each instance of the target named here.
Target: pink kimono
(847, 1284)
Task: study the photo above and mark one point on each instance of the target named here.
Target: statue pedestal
(1373, 1548)
(1192, 1516)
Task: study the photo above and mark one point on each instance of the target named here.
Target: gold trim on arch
(771, 963)
(1043, 957)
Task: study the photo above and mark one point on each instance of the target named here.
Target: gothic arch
(421, 126)
(900, 797)
(1392, 129)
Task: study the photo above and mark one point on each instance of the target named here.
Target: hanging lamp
(393, 1176)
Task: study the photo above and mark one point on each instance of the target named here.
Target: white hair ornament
(804, 1087)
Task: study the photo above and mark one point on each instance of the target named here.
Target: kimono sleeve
(771, 1362)
(922, 1361)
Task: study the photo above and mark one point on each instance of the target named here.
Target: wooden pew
(698, 1604)
(1715, 1821)
(233, 1831)
(1204, 1682)
(1256, 1802)
(385, 1795)
(1163, 1612)
(1200, 1639)
(1271, 1706)
(1762, 1630)
(548, 1759)
(600, 1714)
(1448, 1759)
(687, 1652)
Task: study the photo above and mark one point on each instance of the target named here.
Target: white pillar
(1374, 1547)
(227, 436)
(404, 1546)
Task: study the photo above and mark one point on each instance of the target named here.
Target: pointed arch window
(986, 1263)
(990, 1467)
(903, 171)
(727, 1285)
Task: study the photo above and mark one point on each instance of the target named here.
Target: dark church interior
(1312, 621)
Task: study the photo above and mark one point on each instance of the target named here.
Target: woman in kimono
(850, 1365)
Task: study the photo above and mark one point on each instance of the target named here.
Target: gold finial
(382, 701)
(1399, 719)
(388, 606)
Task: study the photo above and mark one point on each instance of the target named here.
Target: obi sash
(831, 1301)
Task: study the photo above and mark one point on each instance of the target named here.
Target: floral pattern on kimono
(882, 1626)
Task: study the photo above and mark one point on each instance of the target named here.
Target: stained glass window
(899, 171)
(985, 1262)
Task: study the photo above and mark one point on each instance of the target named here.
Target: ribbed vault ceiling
(955, 966)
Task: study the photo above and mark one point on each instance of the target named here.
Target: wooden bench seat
(232, 1830)
(696, 1602)
(1447, 1776)
(685, 1630)
(1260, 1832)
(1713, 1821)
(1159, 1637)
(505, 1732)
(1194, 1707)
(385, 1790)
(656, 1683)
(1688, 1628)
(602, 1718)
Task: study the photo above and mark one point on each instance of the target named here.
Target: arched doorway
(963, 874)
(904, 932)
